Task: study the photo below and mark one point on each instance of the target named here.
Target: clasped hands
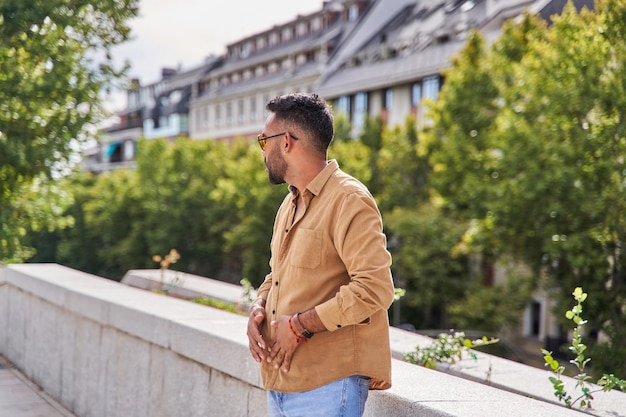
(280, 349)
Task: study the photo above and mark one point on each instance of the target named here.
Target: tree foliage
(54, 63)
(209, 200)
(536, 155)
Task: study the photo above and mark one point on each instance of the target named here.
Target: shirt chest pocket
(306, 249)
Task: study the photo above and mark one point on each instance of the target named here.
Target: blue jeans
(343, 398)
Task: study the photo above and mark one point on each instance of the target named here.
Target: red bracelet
(299, 339)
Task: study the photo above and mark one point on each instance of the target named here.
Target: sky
(182, 33)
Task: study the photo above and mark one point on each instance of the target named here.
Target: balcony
(105, 349)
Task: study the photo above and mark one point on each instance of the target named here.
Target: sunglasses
(262, 139)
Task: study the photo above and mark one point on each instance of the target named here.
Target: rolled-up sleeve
(362, 246)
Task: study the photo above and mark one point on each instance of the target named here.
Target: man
(319, 326)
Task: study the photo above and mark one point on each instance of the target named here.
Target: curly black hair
(308, 112)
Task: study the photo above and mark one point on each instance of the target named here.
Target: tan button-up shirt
(334, 259)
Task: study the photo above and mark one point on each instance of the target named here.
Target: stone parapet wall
(104, 349)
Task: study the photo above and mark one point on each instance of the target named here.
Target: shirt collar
(316, 185)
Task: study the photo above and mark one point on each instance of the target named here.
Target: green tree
(536, 154)
(422, 242)
(113, 213)
(106, 235)
(342, 128)
(251, 201)
(54, 62)
(403, 171)
(177, 180)
(372, 137)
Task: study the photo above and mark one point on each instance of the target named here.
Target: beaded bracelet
(299, 339)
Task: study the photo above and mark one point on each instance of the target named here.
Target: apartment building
(229, 102)
(155, 110)
(367, 57)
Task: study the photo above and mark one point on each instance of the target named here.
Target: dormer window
(274, 39)
(286, 64)
(287, 34)
(301, 29)
(245, 50)
(353, 13)
(316, 24)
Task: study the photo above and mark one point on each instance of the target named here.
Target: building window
(301, 29)
(274, 38)
(218, 115)
(342, 105)
(431, 87)
(205, 117)
(316, 24)
(229, 113)
(416, 94)
(114, 152)
(287, 34)
(430, 90)
(353, 13)
(253, 108)
(246, 49)
(388, 99)
(129, 151)
(287, 64)
(240, 113)
(533, 319)
(360, 110)
(301, 59)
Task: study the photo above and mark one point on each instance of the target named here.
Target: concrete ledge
(511, 376)
(418, 391)
(183, 285)
(102, 348)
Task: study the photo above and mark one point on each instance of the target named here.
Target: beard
(276, 167)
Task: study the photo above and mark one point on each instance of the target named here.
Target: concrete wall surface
(104, 349)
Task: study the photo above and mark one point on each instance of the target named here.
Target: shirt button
(273, 311)
(339, 326)
(276, 283)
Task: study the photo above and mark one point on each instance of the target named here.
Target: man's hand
(284, 343)
(258, 347)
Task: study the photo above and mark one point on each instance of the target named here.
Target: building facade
(367, 57)
(156, 110)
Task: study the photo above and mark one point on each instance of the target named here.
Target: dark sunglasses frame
(262, 139)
